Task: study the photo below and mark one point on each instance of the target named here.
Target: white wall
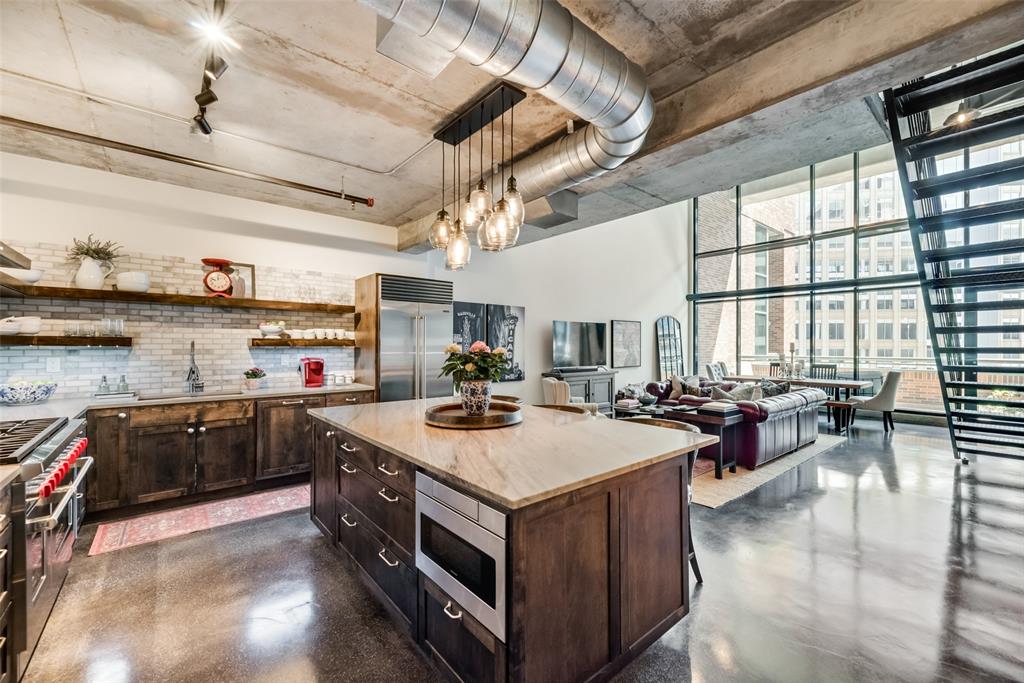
(635, 268)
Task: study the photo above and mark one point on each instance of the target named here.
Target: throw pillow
(743, 392)
(720, 395)
(758, 393)
(677, 387)
(774, 389)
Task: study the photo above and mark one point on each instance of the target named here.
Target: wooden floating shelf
(12, 258)
(10, 286)
(52, 340)
(301, 342)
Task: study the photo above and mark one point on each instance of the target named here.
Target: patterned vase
(476, 396)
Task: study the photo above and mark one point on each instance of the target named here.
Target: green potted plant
(95, 260)
(254, 378)
(473, 373)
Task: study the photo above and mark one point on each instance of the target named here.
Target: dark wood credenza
(590, 386)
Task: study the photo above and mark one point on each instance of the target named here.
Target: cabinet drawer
(389, 469)
(7, 673)
(394, 577)
(6, 566)
(181, 413)
(349, 398)
(393, 513)
(457, 642)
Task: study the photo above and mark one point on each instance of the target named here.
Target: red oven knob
(46, 489)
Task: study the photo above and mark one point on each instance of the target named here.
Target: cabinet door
(601, 390)
(323, 489)
(107, 430)
(579, 388)
(225, 454)
(284, 443)
(162, 462)
(457, 642)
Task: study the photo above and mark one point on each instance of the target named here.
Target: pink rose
(479, 347)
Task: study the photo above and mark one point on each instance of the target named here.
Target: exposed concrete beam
(847, 56)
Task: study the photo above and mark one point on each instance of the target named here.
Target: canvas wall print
(506, 326)
(625, 343)
(469, 323)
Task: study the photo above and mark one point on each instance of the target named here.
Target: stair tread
(986, 385)
(969, 179)
(980, 349)
(978, 306)
(978, 329)
(984, 129)
(987, 400)
(976, 415)
(972, 250)
(992, 212)
(987, 429)
(994, 369)
(959, 81)
(997, 277)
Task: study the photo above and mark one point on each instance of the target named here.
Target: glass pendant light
(468, 214)
(516, 206)
(441, 229)
(480, 199)
(499, 226)
(458, 253)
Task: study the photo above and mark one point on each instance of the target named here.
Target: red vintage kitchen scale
(218, 281)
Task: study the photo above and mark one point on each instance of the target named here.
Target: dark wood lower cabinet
(285, 442)
(107, 430)
(324, 485)
(162, 462)
(457, 643)
(225, 454)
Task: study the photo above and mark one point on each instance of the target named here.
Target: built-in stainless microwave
(460, 546)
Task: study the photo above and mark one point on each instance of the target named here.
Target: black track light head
(201, 122)
(206, 98)
(215, 67)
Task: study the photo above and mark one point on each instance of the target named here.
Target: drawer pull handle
(383, 493)
(452, 615)
(344, 518)
(383, 468)
(386, 560)
(191, 430)
(348, 449)
(202, 429)
(329, 434)
(293, 402)
(122, 415)
(351, 400)
(346, 468)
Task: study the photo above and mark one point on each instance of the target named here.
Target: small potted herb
(95, 260)
(254, 378)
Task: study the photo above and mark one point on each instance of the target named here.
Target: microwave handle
(50, 521)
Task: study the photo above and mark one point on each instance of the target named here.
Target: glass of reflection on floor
(469, 323)
(506, 326)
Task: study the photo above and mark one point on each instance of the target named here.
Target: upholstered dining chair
(884, 401)
(691, 458)
(774, 368)
(556, 393)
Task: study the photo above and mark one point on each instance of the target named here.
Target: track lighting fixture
(215, 67)
(201, 122)
(206, 98)
(964, 113)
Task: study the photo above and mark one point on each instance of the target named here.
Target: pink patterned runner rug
(159, 526)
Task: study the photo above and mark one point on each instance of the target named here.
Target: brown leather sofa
(772, 426)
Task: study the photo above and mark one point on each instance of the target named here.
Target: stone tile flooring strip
(160, 526)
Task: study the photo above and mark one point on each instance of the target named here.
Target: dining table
(832, 386)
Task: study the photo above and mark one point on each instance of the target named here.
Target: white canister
(331, 334)
(320, 333)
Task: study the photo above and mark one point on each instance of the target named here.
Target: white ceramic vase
(91, 274)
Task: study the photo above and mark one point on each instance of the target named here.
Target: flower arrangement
(254, 373)
(104, 253)
(479, 363)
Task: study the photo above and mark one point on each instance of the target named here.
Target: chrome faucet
(193, 380)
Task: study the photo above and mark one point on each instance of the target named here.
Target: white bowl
(30, 324)
(23, 274)
(273, 331)
(10, 327)
(133, 281)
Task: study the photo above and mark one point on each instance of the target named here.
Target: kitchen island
(552, 550)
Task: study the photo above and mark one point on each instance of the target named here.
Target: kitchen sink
(185, 394)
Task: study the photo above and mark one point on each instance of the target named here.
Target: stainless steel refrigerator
(413, 335)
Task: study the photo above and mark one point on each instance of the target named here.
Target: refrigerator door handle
(423, 357)
(417, 358)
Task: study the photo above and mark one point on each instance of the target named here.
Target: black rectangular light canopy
(479, 114)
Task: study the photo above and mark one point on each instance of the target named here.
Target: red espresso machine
(312, 372)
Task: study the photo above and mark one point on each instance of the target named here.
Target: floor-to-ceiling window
(821, 258)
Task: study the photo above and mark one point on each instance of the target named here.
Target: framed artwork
(625, 343)
(246, 272)
(469, 323)
(506, 326)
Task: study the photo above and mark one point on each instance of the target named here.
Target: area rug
(160, 526)
(712, 493)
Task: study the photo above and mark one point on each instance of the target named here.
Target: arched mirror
(670, 346)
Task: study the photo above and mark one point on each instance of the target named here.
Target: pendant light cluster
(496, 224)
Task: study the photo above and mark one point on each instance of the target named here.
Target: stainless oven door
(464, 559)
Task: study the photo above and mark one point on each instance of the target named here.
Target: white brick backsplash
(161, 334)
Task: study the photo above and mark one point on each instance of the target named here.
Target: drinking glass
(118, 327)
(107, 327)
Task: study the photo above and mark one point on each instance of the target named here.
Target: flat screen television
(578, 344)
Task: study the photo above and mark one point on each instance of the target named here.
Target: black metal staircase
(970, 254)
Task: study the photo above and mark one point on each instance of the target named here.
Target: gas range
(48, 504)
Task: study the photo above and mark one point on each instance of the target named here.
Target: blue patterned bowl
(22, 393)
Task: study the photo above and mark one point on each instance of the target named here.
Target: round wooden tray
(452, 416)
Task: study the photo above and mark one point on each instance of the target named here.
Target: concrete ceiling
(308, 99)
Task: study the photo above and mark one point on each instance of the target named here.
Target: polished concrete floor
(880, 560)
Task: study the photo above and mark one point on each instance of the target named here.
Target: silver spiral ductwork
(538, 44)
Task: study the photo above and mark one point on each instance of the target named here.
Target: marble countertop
(549, 453)
(8, 473)
(73, 407)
